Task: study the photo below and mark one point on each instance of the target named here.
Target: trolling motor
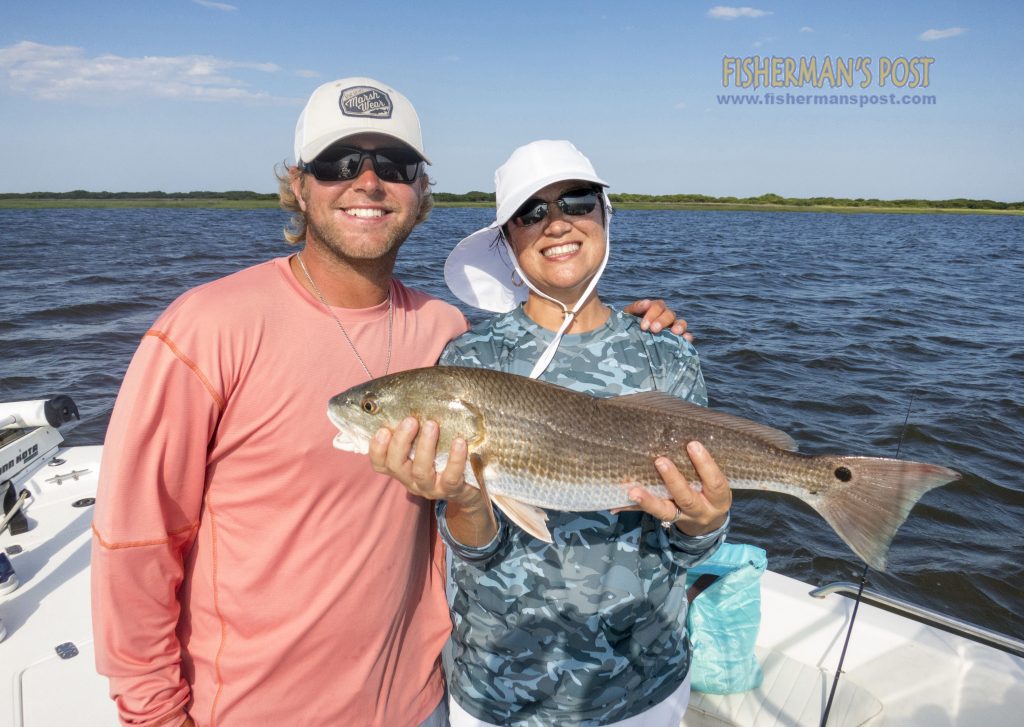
(28, 436)
(40, 413)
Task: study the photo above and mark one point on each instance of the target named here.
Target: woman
(589, 629)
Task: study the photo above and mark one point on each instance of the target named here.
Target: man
(244, 572)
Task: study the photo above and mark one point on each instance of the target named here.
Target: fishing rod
(860, 591)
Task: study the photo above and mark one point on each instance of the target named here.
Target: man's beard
(333, 240)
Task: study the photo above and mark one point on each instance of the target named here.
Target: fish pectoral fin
(479, 431)
(477, 463)
(531, 519)
(661, 402)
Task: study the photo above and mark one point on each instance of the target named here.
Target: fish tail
(873, 497)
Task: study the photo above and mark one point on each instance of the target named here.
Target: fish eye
(370, 405)
(843, 474)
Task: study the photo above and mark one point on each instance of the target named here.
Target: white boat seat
(793, 694)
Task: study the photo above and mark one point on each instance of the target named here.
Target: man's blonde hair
(295, 230)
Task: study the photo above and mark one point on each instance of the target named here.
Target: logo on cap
(365, 101)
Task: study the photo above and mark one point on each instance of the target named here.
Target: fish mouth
(349, 438)
(349, 441)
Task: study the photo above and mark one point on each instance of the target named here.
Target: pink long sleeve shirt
(243, 569)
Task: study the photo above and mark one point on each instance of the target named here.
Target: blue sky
(182, 95)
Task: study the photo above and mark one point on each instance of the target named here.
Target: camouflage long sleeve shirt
(590, 629)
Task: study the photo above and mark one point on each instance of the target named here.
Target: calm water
(826, 326)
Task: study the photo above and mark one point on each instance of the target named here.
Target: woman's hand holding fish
(470, 518)
(694, 512)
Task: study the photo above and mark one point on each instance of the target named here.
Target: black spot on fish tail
(875, 498)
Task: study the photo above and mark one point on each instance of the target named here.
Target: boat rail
(925, 615)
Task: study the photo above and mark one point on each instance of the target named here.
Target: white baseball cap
(351, 106)
(479, 271)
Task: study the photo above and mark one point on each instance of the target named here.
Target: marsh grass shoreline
(747, 207)
(766, 203)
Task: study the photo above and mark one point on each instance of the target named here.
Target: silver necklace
(391, 310)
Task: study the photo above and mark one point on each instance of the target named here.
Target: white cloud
(941, 34)
(215, 6)
(50, 72)
(807, 29)
(306, 73)
(681, 105)
(722, 12)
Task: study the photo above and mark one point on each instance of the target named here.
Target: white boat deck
(51, 606)
(897, 671)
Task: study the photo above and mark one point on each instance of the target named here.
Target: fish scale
(544, 446)
(527, 441)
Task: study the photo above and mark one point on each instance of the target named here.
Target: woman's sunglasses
(344, 162)
(575, 203)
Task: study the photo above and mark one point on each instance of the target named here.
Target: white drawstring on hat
(568, 315)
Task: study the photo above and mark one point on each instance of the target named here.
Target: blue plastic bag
(724, 618)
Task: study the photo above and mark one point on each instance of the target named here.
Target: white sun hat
(351, 106)
(482, 270)
(479, 271)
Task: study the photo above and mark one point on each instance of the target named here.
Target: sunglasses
(575, 203)
(344, 162)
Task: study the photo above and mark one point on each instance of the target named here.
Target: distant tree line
(775, 199)
(476, 197)
(769, 199)
(467, 197)
(82, 194)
